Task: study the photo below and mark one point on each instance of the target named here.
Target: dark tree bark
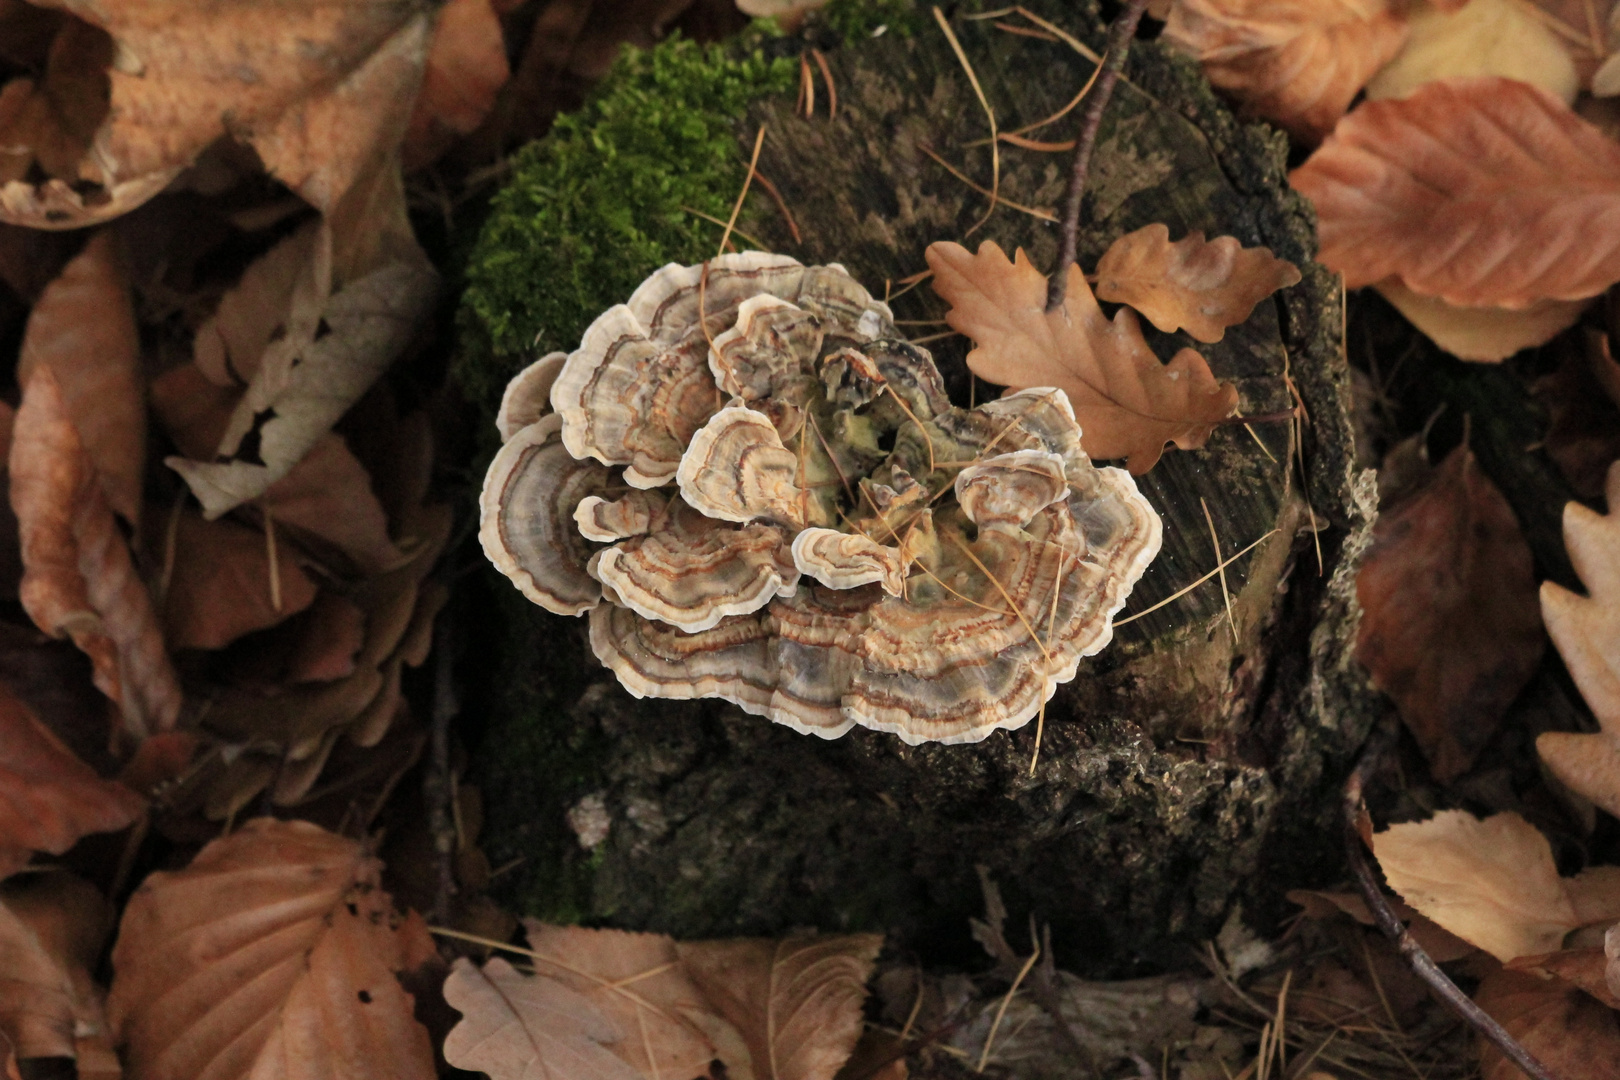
(1186, 769)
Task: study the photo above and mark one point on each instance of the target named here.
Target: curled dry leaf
(273, 954)
(79, 579)
(51, 933)
(48, 797)
(1482, 37)
(1295, 62)
(1586, 630)
(796, 1001)
(1482, 192)
(1204, 285)
(1573, 1034)
(466, 68)
(184, 77)
(83, 329)
(298, 394)
(1493, 882)
(1450, 627)
(1483, 334)
(1128, 404)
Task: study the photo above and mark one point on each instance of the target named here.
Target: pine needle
(1179, 593)
(995, 147)
(1001, 1010)
(1044, 215)
(1220, 568)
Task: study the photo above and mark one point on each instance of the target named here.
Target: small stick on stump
(1421, 963)
(1113, 63)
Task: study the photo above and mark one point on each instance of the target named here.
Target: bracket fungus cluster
(760, 492)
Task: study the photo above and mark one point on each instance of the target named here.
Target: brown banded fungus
(759, 492)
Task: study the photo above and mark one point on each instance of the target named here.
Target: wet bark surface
(1190, 767)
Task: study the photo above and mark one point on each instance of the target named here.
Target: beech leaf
(83, 329)
(1493, 883)
(1298, 63)
(297, 395)
(79, 580)
(1482, 192)
(1482, 334)
(1573, 1035)
(528, 1027)
(272, 955)
(1128, 404)
(1482, 37)
(1204, 285)
(466, 68)
(48, 797)
(1586, 631)
(1582, 400)
(219, 587)
(1450, 626)
(797, 1002)
(51, 934)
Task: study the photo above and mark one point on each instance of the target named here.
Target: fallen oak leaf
(1298, 63)
(1570, 1033)
(1204, 285)
(638, 983)
(797, 1001)
(1482, 192)
(272, 955)
(1450, 628)
(1493, 883)
(79, 579)
(48, 797)
(520, 1027)
(1128, 404)
(83, 329)
(292, 402)
(1586, 632)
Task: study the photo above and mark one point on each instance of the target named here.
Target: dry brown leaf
(319, 116)
(51, 933)
(1295, 62)
(1585, 968)
(466, 69)
(1583, 429)
(1572, 1034)
(192, 409)
(299, 393)
(1129, 405)
(334, 629)
(79, 579)
(1441, 944)
(1482, 192)
(1586, 630)
(1450, 627)
(272, 955)
(1204, 285)
(277, 300)
(48, 797)
(528, 1027)
(328, 499)
(641, 989)
(1482, 334)
(220, 588)
(797, 1002)
(1482, 37)
(1493, 882)
(83, 329)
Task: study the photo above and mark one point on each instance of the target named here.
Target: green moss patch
(613, 192)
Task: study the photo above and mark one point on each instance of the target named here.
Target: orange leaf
(83, 329)
(328, 497)
(1483, 192)
(273, 954)
(466, 68)
(79, 579)
(1296, 62)
(1204, 285)
(1575, 1036)
(1129, 405)
(48, 797)
(1450, 627)
(220, 585)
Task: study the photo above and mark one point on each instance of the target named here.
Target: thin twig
(1113, 63)
(1423, 966)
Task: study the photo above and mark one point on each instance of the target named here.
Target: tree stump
(1191, 766)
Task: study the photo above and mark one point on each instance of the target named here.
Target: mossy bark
(1190, 767)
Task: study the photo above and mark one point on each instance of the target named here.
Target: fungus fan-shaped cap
(841, 560)
(1009, 489)
(526, 522)
(528, 395)
(738, 470)
(692, 571)
(632, 514)
(769, 352)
